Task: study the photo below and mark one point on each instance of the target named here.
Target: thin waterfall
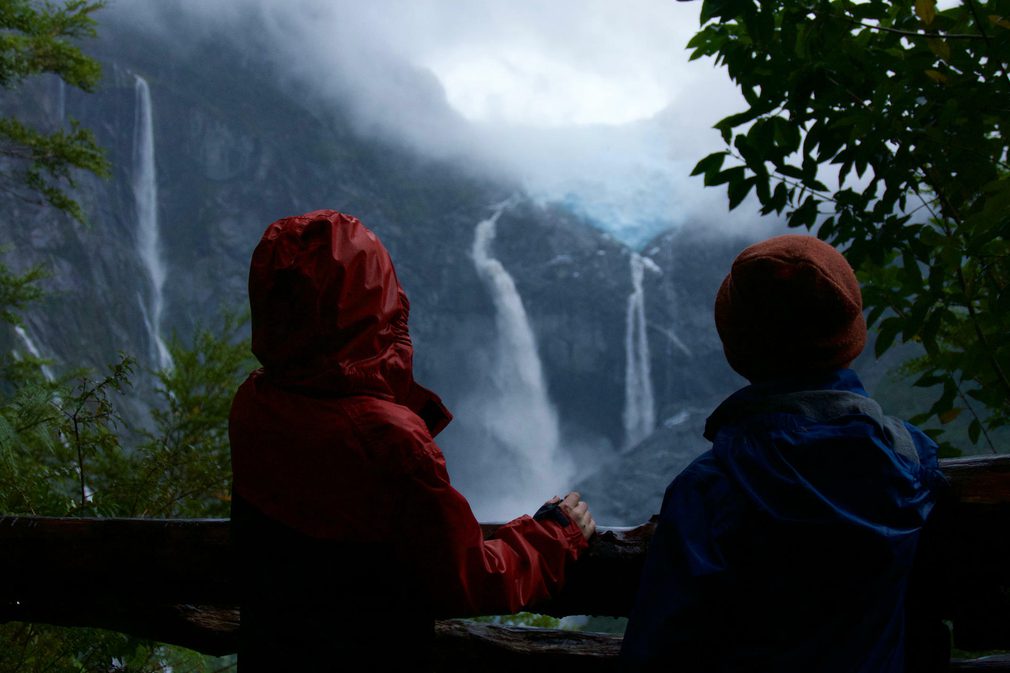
(639, 401)
(61, 101)
(522, 416)
(145, 193)
(33, 349)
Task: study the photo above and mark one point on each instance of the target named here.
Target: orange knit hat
(790, 306)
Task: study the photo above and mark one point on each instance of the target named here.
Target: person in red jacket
(350, 538)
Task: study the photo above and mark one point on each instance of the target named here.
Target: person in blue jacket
(789, 545)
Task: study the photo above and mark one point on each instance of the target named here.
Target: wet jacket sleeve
(675, 617)
(441, 540)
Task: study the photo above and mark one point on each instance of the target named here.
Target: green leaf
(779, 199)
(711, 9)
(974, 431)
(874, 314)
(910, 265)
(735, 120)
(790, 171)
(1003, 300)
(734, 174)
(786, 134)
(886, 333)
(930, 330)
(710, 164)
(928, 380)
(914, 319)
(940, 47)
(926, 11)
(738, 190)
(805, 215)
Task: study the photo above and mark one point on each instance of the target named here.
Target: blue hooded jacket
(788, 546)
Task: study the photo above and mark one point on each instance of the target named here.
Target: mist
(591, 104)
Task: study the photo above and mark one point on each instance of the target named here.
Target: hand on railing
(578, 511)
(572, 508)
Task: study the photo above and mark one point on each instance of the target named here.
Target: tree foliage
(38, 38)
(183, 465)
(882, 125)
(65, 448)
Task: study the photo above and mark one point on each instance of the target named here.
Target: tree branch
(927, 34)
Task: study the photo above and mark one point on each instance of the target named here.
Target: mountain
(235, 148)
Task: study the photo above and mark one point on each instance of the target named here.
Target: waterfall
(61, 101)
(145, 194)
(639, 401)
(33, 349)
(521, 416)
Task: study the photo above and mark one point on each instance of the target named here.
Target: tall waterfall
(639, 401)
(145, 194)
(33, 349)
(521, 417)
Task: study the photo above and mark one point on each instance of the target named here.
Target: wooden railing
(169, 581)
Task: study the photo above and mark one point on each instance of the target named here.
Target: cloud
(587, 101)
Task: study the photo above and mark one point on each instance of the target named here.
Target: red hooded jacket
(332, 440)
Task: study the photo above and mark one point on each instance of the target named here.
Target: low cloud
(593, 103)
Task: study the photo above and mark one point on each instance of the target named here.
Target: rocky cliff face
(235, 150)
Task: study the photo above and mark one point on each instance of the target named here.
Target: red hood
(329, 316)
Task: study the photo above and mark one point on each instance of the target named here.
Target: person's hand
(578, 511)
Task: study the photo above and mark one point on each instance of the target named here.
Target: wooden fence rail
(169, 580)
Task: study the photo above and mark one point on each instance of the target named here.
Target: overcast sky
(551, 64)
(593, 99)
